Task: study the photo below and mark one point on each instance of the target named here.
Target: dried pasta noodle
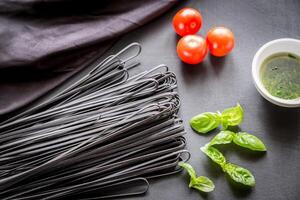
(103, 137)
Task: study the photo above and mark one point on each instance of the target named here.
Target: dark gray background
(219, 83)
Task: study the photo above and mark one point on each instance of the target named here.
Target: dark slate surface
(220, 83)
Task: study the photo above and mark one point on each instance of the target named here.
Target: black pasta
(102, 137)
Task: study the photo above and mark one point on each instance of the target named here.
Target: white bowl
(275, 46)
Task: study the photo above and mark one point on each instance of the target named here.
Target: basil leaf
(205, 122)
(249, 141)
(203, 184)
(224, 124)
(232, 116)
(214, 154)
(190, 170)
(239, 174)
(224, 137)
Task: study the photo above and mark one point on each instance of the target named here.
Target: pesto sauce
(280, 75)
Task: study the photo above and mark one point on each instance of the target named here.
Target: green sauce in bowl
(280, 75)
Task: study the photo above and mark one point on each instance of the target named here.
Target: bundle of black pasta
(102, 137)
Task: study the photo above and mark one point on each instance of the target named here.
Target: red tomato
(187, 21)
(192, 49)
(220, 41)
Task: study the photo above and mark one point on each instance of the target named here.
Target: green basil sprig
(200, 183)
(190, 170)
(205, 122)
(208, 121)
(232, 116)
(224, 137)
(249, 141)
(242, 139)
(203, 184)
(237, 173)
(214, 154)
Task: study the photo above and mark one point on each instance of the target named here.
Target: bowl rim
(257, 82)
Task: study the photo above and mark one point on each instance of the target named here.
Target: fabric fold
(44, 42)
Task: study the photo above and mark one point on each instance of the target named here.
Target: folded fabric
(44, 42)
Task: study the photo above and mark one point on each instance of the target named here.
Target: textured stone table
(219, 83)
